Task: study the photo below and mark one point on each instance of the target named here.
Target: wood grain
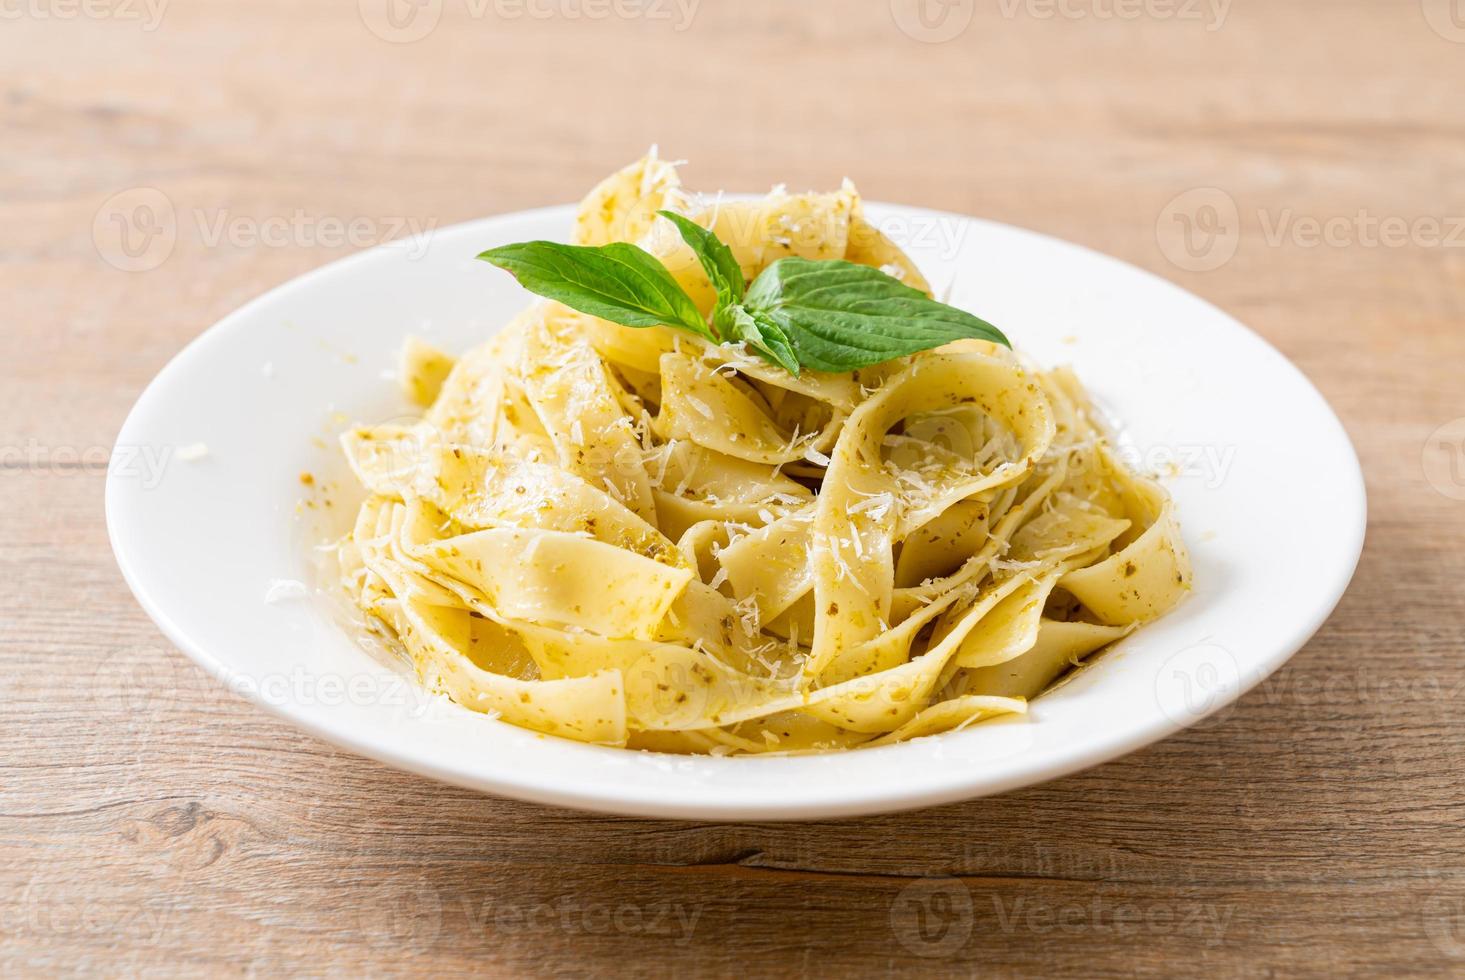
(151, 822)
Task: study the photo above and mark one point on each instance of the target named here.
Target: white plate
(1269, 492)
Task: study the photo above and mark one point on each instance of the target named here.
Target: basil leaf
(839, 316)
(717, 259)
(759, 332)
(617, 282)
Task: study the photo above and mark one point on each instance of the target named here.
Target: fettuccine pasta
(639, 538)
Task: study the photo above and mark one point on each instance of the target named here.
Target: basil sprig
(827, 315)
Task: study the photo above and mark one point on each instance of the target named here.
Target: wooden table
(151, 822)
